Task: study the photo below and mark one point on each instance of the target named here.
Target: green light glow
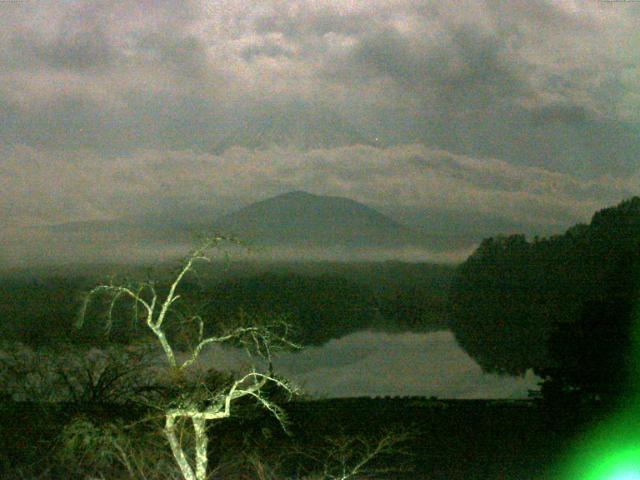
(611, 451)
(621, 465)
(613, 456)
(625, 475)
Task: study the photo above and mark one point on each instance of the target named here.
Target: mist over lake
(384, 364)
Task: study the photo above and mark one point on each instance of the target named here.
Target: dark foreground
(461, 439)
(519, 440)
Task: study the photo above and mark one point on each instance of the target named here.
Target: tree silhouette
(510, 294)
(592, 357)
(214, 397)
(319, 307)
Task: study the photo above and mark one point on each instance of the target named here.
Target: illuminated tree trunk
(201, 447)
(201, 441)
(176, 449)
(219, 405)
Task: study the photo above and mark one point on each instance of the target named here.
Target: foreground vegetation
(564, 306)
(106, 387)
(450, 440)
(512, 296)
(342, 297)
(103, 414)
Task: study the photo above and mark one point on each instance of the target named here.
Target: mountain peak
(296, 194)
(305, 219)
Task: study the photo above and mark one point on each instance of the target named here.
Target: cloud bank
(44, 188)
(481, 78)
(524, 111)
(153, 190)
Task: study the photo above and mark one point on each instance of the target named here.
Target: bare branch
(117, 292)
(201, 404)
(348, 457)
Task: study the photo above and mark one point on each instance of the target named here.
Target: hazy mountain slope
(300, 218)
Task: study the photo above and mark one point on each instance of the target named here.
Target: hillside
(511, 294)
(303, 219)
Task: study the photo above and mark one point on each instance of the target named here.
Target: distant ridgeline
(510, 296)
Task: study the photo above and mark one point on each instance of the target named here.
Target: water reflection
(379, 364)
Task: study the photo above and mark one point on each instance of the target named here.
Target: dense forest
(513, 299)
(321, 300)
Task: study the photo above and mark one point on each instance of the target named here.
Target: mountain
(303, 219)
(295, 125)
(292, 225)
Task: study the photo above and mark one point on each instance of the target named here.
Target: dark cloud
(575, 114)
(389, 54)
(464, 68)
(315, 23)
(265, 50)
(84, 50)
(142, 119)
(480, 96)
(183, 55)
(521, 108)
(522, 15)
(474, 67)
(81, 51)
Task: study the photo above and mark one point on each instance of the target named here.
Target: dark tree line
(562, 305)
(593, 357)
(320, 305)
(319, 308)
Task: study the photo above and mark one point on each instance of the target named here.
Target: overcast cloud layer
(524, 110)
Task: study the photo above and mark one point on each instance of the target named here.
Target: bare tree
(97, 376)
(205, 402)
(349, 457)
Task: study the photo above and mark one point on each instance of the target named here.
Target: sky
(474, 113)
